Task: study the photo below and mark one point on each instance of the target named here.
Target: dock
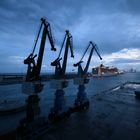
(113, 114)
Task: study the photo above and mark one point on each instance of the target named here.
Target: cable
(36, 40)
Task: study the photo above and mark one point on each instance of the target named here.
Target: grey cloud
(119, 61)
(113, 25)
(132, 6)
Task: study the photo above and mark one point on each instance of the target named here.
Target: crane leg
(32, 108)
(30, 126)
(59, 110)
(81, 102)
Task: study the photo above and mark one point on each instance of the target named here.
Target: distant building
(105, 70)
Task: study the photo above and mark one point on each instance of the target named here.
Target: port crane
(83, 71)
(33, 85)
(34, 68)
(60, 83)
(61, 69)
(82, 100)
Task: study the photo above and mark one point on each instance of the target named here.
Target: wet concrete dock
(112, 115)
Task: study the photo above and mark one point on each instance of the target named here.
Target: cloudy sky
(113, 25)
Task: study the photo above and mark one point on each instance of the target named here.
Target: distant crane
(83, 71)
(82, 100)
(34, 68)
(59, 109)
(61, 69)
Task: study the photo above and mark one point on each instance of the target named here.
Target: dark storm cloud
(132, 6)
(113, 25)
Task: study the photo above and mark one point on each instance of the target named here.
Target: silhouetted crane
(83, 71)
(33, 85)
(82, 102)
(60, 69)
(34, 68)
(59, 109)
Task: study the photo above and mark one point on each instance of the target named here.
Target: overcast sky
(113, 25)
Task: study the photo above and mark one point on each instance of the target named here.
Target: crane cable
(36, 40)
(62, 46)
(85, 52)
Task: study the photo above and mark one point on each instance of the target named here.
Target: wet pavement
(112, 115)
